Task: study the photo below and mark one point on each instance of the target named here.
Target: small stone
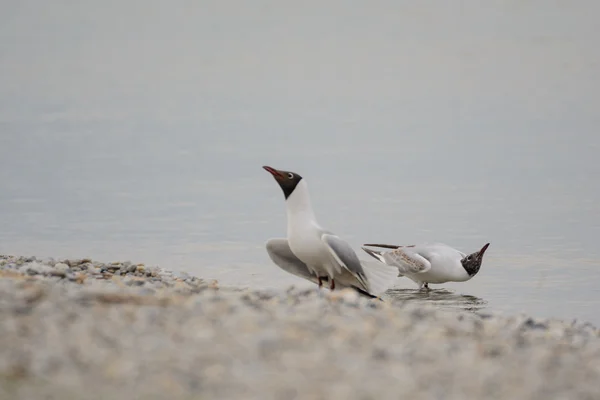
(140, 268)
(130, 268)
(60, 270)
(77, 262)
(61, 267)
(85, 266)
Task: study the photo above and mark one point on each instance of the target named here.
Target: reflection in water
(439, 297)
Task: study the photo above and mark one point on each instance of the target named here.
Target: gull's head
(287, 180)
(472, 262)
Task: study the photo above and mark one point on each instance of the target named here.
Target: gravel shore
(80, 329)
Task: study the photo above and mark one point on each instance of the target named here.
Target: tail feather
(380, 276)
(385, 246)
(375, 254)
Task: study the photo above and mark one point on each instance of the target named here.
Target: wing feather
(280, 253)
(407, 262)
(345, 256)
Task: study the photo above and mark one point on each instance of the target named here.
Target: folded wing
(345, 256)
(408, 260)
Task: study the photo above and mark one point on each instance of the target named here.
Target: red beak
(273, 171)
(483, 249)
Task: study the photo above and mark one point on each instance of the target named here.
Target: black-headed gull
(430, 263)
(316, 254)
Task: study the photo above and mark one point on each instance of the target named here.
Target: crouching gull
(430, 263)
(318, 255)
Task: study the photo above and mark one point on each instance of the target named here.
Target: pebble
(34, 268)
(146, 332)
(129, 268)
(61, 267)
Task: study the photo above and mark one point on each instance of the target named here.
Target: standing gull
(430, 263)
(316, 254)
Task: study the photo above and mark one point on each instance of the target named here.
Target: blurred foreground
(82, 329)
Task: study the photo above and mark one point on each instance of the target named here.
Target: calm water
(129, 135)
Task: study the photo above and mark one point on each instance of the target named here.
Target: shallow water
(145, 141)
(442, 298)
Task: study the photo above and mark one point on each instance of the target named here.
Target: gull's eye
(469, 258)
(291, 176)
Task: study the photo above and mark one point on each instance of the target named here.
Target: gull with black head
(316, 254)
(430, 263)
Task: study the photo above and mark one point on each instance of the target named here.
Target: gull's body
(430, 263)
(317, 254)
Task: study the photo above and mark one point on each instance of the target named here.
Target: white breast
(445, 265)
(303, 232)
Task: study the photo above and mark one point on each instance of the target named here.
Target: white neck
(299, 209)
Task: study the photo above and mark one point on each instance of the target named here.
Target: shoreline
(75, 328)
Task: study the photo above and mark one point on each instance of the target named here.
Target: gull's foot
(425, 286)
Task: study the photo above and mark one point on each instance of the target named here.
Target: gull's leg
(426, 285)
(332, 286)
(319, 291)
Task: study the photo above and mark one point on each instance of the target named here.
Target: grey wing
(345, 256)
(407, 261)
(280, 253)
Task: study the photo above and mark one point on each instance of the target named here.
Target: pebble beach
(75, 329)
